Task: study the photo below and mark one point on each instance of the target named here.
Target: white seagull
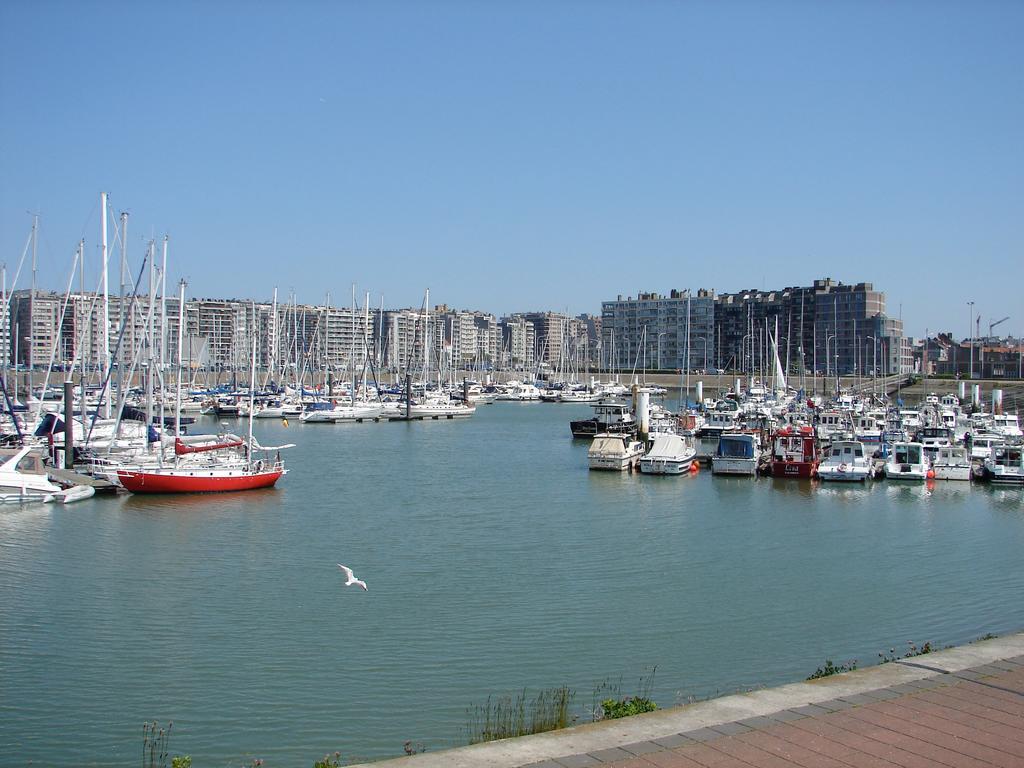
(350, 577)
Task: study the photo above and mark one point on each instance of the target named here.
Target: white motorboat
(519, 391)
(342, 413)
(440, 408)
(833, 424)
(282, 409)
(21, 487)
(933, 439)
(981, 445)
(907, 462)
(867, 428)
(737, 454)
(578, 396)
(952, 463)
(669, 454)
(845, 462)
(1006, 424)
(614, 451)
(1006, 466)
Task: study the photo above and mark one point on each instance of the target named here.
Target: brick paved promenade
(962, 707)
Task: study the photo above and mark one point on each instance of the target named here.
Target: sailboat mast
(177, 389)
(104, 395)
(366, 327)
(252, 402)
(352, 347)
(149, 335)
(85, 337)
(163, 333)
(121, 383)
(32, 303)
(328, 382)
(272, 372)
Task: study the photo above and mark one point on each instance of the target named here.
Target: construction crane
(997, 322)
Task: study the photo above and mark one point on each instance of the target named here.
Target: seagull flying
(350, 577)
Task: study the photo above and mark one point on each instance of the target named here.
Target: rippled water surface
(495, 561)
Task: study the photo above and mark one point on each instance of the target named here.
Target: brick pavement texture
(968, 719)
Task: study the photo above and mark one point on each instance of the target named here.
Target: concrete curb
(635, 733)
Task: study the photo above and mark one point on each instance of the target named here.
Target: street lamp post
(874, 363)
(827, 338)
(704, 339)
(970, 351)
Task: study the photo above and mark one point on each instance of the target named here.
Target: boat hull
(195, 481)
(916, 473)
(799, 469)
(614, 463)
(665, 466)
(733, 466)
(851, 474)
(952, 472)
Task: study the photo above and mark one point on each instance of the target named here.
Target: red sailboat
(244, 476)
(211, 466)
(794, 452)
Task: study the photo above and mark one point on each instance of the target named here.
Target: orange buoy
(931, 474)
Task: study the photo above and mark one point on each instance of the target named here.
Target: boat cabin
(1006, 424)
(736, 446)
(794, 452)
(908, 453)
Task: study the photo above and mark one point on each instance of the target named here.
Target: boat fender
(930, 474)
(694, 468)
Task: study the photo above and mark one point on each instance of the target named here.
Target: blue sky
(527, 155)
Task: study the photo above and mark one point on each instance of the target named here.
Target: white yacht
(519, 391)
(1006, 467)
(614, 451)
(440, 408)
(832, 424)
(737, 454)
(341, 413)
(1006, 424)
(933, 439)
(845, 462)
(669, 454)
(982, 445)
(279, 409)
(952, 463)
(867, 428)
(20, 487)
(907, 462)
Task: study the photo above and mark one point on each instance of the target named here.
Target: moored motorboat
(951, 462)
(614, 451)
(17, 486)
(738, 454)
(669, 454)
(845, 462)
(794, 452)
(1006, 465)
(608, 417)
(907, 462)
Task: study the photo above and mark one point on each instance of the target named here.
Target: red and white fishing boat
(794, 452)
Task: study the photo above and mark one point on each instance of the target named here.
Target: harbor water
(495, 562)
